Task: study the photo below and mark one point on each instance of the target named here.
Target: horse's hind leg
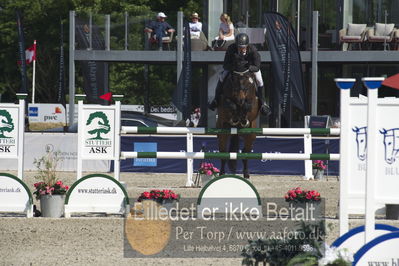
(234, 145)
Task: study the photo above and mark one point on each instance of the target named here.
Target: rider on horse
(241, 56)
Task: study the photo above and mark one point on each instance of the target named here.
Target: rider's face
(242, 50)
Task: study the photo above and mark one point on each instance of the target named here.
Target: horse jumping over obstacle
(239, 108)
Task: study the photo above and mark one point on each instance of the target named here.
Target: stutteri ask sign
(9, 132)
(98, 131)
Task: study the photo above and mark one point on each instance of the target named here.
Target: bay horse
(239, 108)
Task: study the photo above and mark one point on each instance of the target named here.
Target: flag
(392, 81)
(61, 73)
(30, 53)
(286, 64)
(182, 94)
(107, 96)
(21, 54)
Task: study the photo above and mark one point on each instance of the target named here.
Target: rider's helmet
(242, 40)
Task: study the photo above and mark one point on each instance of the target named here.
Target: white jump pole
(117, 140)
(372, 85)
(344, 164)
(79, 170)
(190, 162)
(21, 133)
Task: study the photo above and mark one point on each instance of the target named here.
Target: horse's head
(240, 97)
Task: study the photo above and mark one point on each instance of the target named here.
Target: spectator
(194, 119)
(195, 26)
(241, 23)
(226, 29)
(159, 29)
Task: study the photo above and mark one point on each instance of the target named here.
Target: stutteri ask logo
(6, 123)
(99, 125)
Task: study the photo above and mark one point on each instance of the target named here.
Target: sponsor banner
(382, 250)
(182, 97)
(9, 122)
(21, 54)
(262, 144)
(46, 113)
(38, 143)
(98, 134)
(353, 240)
(186, 231)
(286, 63)
(162, 109)
(14, 194)
(145, 147)
(96, 193)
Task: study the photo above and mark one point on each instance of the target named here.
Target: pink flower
(59, 182)
(208, 172)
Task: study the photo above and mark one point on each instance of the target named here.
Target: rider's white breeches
(258, 76)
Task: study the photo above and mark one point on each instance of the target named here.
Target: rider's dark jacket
(234, 61)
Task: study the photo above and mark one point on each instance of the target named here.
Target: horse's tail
(234, 144)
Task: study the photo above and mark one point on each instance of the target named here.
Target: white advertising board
(387, 151)
(46, 113)
(98, 131)
(15, 196)
(228, 190)
(9, 129)
(37, 144)
(97, 193)
(382, 250)
(357, 153)
(353, 240)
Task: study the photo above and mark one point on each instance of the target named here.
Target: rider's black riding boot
(218, 93)
(264, 108)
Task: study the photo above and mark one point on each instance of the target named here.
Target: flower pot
(318, 174)
(392, 211)
(205, 179)
(52, 205)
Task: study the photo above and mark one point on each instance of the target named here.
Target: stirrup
(265, 109)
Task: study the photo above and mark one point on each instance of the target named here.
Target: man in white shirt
(195, 26)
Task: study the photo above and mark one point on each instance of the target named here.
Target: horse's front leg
(248, 143)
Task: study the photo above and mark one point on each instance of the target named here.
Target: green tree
(103, 124)
(6, 124)
(41, 21)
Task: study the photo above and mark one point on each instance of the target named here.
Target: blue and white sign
(33, 111)
(383, 250)
(354, 239)
(145, 147)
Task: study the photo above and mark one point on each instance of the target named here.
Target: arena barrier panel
(12, 128)
(15, 196)
(368, 154)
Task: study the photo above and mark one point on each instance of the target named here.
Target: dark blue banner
(286, 63)
(21, 54)
(209, 144)
(182, 94)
